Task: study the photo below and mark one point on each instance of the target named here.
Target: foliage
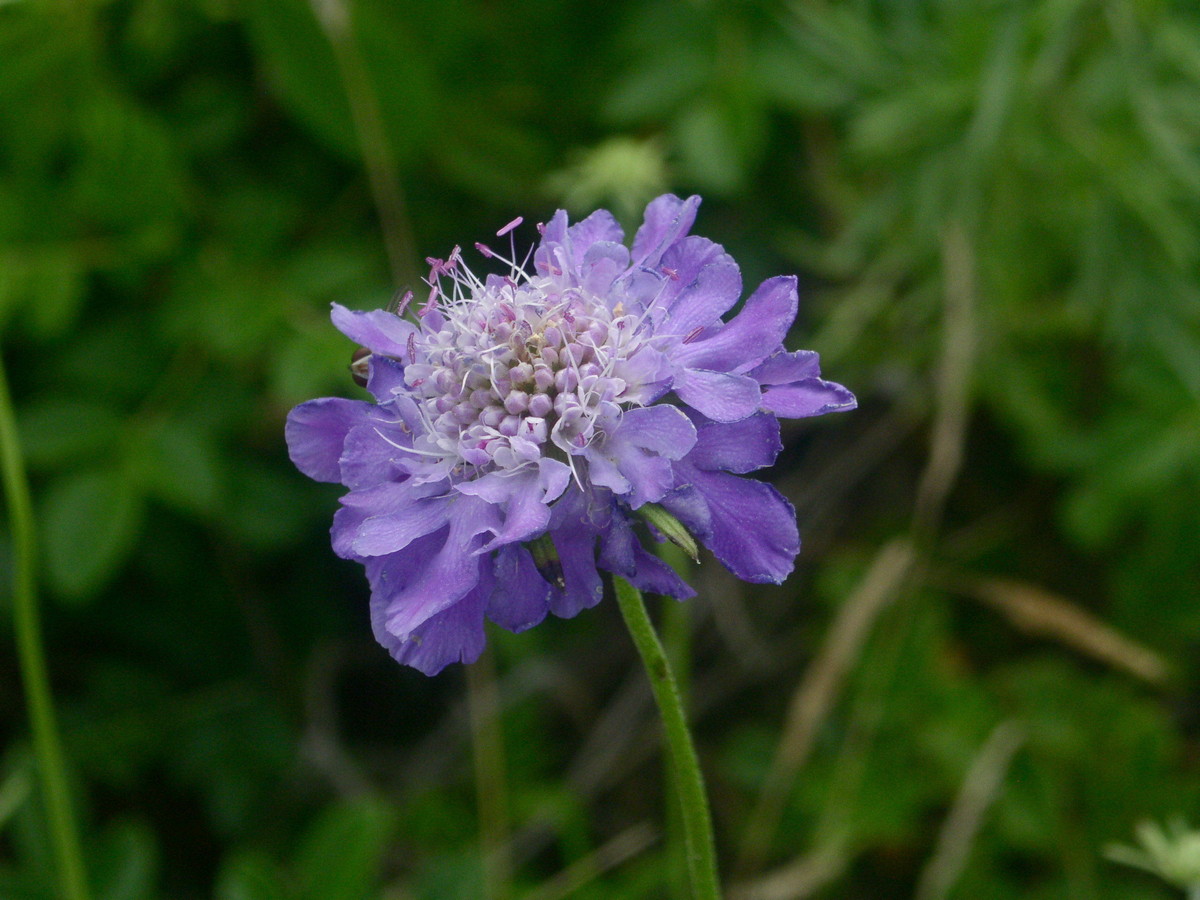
(993, 208)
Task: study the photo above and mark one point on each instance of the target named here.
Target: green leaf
(89, 526)
(340, 856)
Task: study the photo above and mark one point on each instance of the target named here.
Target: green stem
(487, 739)
(46, 747)
(693, 803)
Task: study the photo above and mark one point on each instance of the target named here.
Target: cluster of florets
(530, 428)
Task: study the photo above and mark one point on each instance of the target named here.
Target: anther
(510, 226)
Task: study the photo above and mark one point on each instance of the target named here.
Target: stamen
(510, 226)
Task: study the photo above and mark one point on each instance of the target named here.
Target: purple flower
(529, 428)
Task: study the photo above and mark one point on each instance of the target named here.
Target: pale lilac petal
(634, 458)
(718, 395)
(454, 635)
(369, 452)
(600, 227)
(377, 329)
(396, 529)
(447, 575)
(602, 265)
(667, 219)
(702, 294)
(753, 334)
(664, 430)
(360, 505)
(737, 446)
(385, 377)
(316, 431)
(524, 497)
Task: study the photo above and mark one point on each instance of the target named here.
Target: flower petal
(453, 635)
(442, 578)
(385, 377)
(705, 294)
(656, 577)
(634, 458)
(316, 432)
(784, 367)
(376, 329)
(751, 336)
(753, 527)
(600, 227)
(667, 219)
(397, 528)
(737, 446)
(718, 395)
(521, 597)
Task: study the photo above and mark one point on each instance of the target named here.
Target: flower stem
(689, 782)
(27, 625)
(487, 740)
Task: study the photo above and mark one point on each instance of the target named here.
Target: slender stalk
(675, 630)
(46, 746)
(693, 802)
(491, 792)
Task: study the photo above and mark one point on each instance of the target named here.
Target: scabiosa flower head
(529, 428)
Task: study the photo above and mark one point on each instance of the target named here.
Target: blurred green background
(984, 669)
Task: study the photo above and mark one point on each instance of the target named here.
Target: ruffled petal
(398, 527)
(634, 458)
(521, 597)
(442, 578)
(656, 577)
(577, 553)
(813, 397)
(704, 295)
(385, 377)
(666, 220)
(370, 450)
(600, 227)
(376, 329)
(753, 527)
(737, 446)
(784, 368)
(751, 336)
(455, 634)
(316, 432)
(720, 396)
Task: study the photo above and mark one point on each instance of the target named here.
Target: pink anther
(510, 226)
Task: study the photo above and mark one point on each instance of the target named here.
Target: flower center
(517, 370)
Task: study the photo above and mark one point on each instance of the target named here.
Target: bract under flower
(521, 420)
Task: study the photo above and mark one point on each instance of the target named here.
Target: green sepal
(672, 528)
(545, 557)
